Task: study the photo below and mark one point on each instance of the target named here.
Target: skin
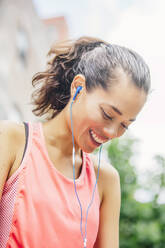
(87, 113)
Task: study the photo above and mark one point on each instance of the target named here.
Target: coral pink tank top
(45, 212)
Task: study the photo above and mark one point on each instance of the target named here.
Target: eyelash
(107, 117)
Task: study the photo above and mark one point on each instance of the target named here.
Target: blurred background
(28, 29)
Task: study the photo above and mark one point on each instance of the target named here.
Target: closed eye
(107, 117)
(124, 126)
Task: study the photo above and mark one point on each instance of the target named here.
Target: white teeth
(96, 138)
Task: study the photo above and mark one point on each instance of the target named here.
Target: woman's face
(102, 115)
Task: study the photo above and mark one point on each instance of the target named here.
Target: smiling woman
(100, 88)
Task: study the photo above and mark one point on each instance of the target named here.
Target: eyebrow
(119, 112)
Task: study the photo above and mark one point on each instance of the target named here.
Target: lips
(97, 140)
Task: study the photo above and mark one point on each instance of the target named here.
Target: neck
(58, 135)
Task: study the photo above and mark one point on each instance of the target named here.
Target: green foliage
(141, 224)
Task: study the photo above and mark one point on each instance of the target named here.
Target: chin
(88, 146)
(88, 149)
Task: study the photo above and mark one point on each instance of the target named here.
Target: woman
(42, 204)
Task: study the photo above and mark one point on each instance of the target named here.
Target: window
(22, 45)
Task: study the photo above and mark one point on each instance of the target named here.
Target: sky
(139, 25)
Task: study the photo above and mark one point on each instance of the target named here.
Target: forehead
(123, 95)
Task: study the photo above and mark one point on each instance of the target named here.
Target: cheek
(87, 117)
(95, 116)
(96, 121)
(121, 131)
(85, 122)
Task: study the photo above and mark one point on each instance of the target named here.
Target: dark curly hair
(92, 57)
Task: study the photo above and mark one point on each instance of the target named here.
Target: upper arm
(7, 154)
(108, 233)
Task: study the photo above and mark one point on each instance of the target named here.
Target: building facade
(24, 42)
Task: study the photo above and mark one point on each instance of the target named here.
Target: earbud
(79, 88)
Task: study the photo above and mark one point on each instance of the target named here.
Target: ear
(78, 80)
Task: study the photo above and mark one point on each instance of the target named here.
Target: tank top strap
(90, 170)
(36, 128)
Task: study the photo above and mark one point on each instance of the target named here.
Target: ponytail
(54, 92)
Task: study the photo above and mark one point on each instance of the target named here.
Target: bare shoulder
(12, 131)
(9, 125)
(108, 173)
(109, 179)
(10, 138)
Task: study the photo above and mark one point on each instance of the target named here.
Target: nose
(110, 132)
